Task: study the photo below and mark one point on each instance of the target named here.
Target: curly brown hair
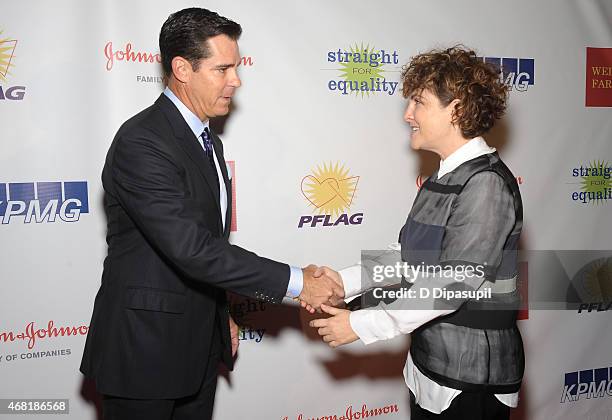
(457, 73)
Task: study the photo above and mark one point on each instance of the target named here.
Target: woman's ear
(452, 109)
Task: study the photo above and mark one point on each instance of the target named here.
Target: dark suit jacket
(169, 262)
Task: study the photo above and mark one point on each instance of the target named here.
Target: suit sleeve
(149, 186)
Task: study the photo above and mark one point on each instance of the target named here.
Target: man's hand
(335, 330)
(319, 290)
(234, 336)
(332, 274)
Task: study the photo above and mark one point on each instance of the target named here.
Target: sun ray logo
(7, 51)
(330, 191)
(7, 63)
(595, 183)
(593, 285)
(362, 70)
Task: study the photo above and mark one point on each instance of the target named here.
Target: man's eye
(221, 70)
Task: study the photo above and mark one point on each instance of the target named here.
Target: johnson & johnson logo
(31, 333)
(128, 54)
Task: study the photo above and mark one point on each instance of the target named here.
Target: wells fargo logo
(330, 189)
(31, 333)
(7, 62)
(598, 77)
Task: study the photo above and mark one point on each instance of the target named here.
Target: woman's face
(430, 122)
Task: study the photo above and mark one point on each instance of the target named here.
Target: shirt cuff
(370, 327)
(351, 280)
(296, 282)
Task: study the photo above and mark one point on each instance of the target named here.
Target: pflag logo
(598, 77)
(43, 201)
(7, 63)
(363, 70)
(517, 73)
(330, 191)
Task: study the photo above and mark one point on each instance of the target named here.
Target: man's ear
(181, 69)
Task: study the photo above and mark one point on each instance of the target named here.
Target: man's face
(212, 86)
(430, 121)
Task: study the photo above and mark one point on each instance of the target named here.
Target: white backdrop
(62, 100)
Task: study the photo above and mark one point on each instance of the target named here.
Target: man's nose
(235, 81)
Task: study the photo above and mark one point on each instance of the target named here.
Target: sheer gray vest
(477, 347)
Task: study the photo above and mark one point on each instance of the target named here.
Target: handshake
(323, 291)
(322, 285)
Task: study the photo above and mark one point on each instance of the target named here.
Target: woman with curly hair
(466, 358)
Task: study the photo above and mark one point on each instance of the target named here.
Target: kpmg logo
(362, 70)
(7, 62)
(330, 190)
(517, 73)
(587, 384)
(43, 201)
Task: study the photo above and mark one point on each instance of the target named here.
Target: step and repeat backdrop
(320, 99)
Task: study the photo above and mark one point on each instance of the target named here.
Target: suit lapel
(191, 146)
(218, 146)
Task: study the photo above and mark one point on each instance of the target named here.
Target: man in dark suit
(160, 324)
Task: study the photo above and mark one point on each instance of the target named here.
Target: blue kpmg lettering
(517, 73)
(43, 201)
(587, 384)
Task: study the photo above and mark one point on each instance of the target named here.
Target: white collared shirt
(470, 150)
(197, 127)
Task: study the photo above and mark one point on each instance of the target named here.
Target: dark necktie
(208, 151)
(208, 146)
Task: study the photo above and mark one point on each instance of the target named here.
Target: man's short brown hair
(457, 73)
